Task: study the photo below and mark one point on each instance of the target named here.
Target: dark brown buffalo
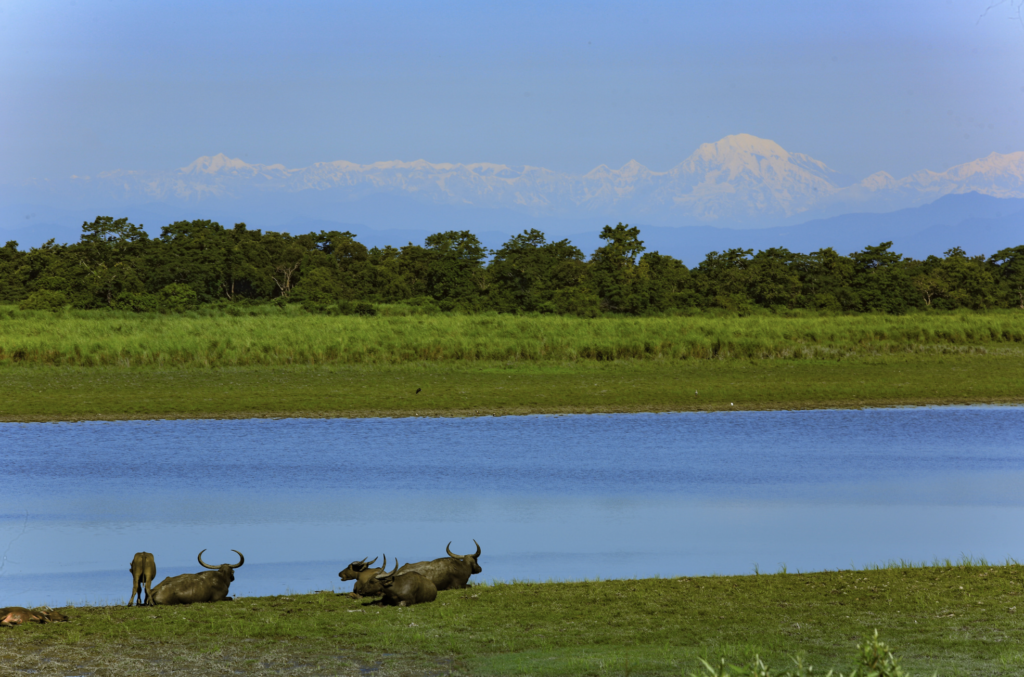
(207, 586)
(143, 570)
(405, 589)
(16, 615)
(366, 583)
(448, 573)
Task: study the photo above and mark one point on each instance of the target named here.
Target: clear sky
(89, 86)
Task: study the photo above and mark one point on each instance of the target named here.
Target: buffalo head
(468, 559)
(352, 571)
(366, 584)
(227, 570)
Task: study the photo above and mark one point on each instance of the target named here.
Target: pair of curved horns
(448, 548)
(241, 560)
(368, 564)
(385, 574)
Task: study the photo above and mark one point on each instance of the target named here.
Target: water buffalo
(207, 586)
(405, 589)
(366, 583)
(143, 570)
(16, 615)
(448, 573)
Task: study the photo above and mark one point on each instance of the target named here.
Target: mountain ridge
(740, 180)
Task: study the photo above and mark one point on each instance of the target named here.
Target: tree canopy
(115, 264)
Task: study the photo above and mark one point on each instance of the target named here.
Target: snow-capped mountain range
(739, 180)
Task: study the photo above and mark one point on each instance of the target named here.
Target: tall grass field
(99, 338)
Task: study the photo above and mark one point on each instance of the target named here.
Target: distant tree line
(117, 265)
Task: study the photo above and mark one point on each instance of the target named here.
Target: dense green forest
(117, 265)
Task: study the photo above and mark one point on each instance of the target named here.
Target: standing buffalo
(143, 570)
(405, 589)
(366, 583)
(448, 573)
(207, 586)
(16, 615)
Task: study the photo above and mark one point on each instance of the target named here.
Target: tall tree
(528, 272)
(722, 278)
(1010, 273)
(193, 253)
(12, 273)
(663, 283)
(613, 267)
(774, 278)
(454, 272)
(881, 282)
(111, 257)
(825, 278)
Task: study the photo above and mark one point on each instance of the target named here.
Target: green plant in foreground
(875, 659)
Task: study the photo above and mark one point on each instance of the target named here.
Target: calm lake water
(547, 497)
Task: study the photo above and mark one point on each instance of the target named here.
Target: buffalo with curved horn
(405, 589)
(448, 573)
(365, 577)
(206, 586)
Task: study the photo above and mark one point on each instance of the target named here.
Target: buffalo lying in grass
(16, 615)
(367, 584)
(207, 586)
(405, 589)
(143, 570)
(448, 573)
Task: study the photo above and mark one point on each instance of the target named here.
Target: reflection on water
(548, 497)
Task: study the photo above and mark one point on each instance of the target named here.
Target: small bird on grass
(418, 390)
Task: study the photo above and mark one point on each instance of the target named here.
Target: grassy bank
(964, 619)
(39, 393)
(284, 362)
(290, 336)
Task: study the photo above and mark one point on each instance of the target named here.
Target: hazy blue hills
(980, 224)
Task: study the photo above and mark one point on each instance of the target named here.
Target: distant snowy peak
(996, 175)
(219, 162)
(745, 154)
(740, 179)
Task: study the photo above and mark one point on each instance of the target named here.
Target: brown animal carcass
(405, 589)
(448, 573)
(143, 570)
(207, 586)
(16, 615)
(367, 584)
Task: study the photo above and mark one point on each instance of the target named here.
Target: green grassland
(289, 336)
(956, 619)
(283, 362)
(488, 388)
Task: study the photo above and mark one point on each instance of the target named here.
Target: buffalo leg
(149, 593)
(135, 591)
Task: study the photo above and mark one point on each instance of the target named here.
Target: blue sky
(862, 86)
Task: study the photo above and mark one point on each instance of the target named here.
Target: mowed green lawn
(42, 393)
(964, 619)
